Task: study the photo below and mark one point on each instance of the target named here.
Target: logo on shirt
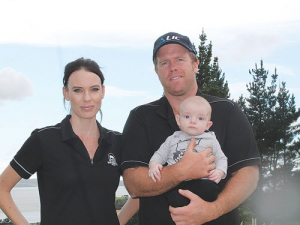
(112, 159)
(181, 148)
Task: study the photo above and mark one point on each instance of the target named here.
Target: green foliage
(246, 213)
(272, 113)
(210, 78)
(120, 202)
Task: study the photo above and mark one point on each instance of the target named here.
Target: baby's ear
(209, 124)
(177, 120)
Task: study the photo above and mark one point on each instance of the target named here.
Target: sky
(38, 38)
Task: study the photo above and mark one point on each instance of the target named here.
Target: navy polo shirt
(73, 188)
(149, 125)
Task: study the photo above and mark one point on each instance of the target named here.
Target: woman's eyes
(79, 90)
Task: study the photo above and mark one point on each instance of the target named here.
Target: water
(27, 199)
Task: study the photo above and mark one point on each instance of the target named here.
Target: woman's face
(85, 93)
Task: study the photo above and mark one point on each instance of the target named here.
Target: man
(149, 125)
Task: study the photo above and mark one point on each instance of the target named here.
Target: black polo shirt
(149, 125)
(73, 188)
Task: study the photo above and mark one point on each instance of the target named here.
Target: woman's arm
(8, 179)
(128, 210)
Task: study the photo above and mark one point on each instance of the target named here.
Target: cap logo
(161, 41)
(172, 38)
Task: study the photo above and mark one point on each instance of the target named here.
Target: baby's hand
(154, 171)
(216, 175)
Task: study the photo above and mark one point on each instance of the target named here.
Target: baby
(193, 121)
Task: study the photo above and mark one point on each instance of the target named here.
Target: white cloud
(149, 99)
(14, 85)
(238, 89)
(130, 22)
(116, 92)
(280, 69)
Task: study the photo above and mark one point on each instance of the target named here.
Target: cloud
(121, 22)
(243, 44)
(280, 69)
(14, 85)
(238, 89)
(116, 92)
(149, 99)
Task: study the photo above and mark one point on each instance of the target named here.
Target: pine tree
(261, 105)
(286, 114)
(210, 78)
(272, 114)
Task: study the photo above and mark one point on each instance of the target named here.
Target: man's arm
(192, 166)
(238, 189)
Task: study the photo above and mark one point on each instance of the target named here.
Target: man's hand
(192, 166)
(242, 183)
(195, 165)
(196, 213)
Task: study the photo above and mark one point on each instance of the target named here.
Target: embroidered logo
(161, 41)
(172, 38)
(112, 159)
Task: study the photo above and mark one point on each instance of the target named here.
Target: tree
(210, 78)
(259, 108)
(272, 113)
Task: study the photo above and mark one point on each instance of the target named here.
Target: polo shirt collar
(164, 107)
(103, 134)
(66, 129)
(165, 110)
(68, 133)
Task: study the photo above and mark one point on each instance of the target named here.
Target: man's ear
(196, 66)
(66, 94)
(177, 117)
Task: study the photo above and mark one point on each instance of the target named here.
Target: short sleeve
(135, 143)
(240, 143)
(28, 159)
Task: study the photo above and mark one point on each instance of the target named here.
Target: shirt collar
(68, 133)
(66, 129)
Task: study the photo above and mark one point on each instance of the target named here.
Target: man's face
(175, 70)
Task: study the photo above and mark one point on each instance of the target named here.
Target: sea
(27, 199)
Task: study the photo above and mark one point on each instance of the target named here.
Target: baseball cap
(170, 38)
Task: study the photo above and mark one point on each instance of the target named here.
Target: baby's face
(194, 119)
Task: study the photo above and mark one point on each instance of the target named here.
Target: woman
(77, 161)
